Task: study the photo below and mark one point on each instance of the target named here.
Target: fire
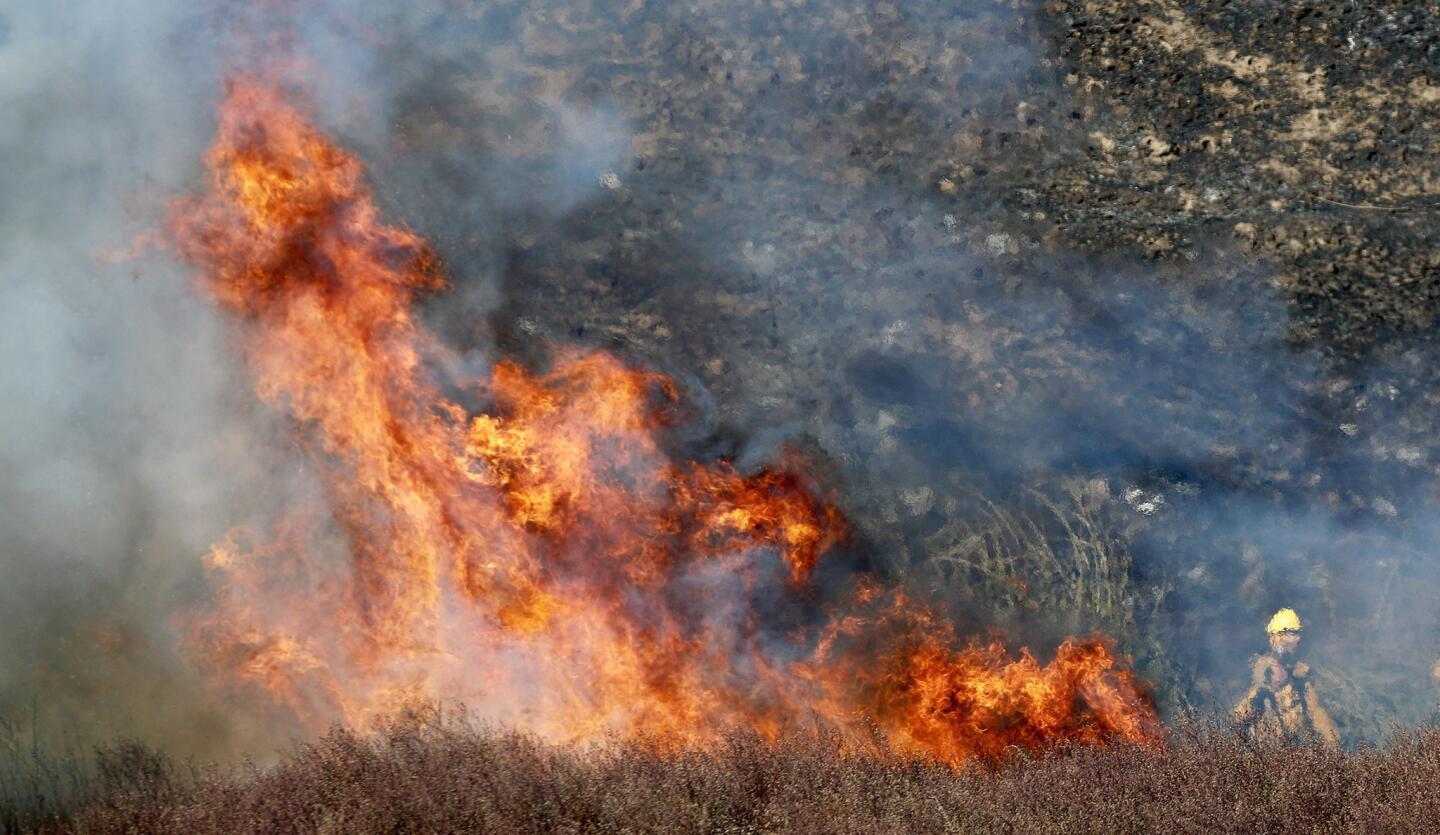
(932, 693)
(545, 559)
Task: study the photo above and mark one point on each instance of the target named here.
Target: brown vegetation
(441, 775)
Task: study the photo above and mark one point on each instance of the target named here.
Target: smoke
(835, 257)
(130, 442)
(790, 210)
(122, 443)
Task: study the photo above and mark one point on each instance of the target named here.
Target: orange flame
(545, 561)
(933, 694)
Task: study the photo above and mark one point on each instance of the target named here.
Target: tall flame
(545, 560)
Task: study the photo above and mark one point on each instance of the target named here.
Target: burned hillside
(1102, 316)
(1092, 327)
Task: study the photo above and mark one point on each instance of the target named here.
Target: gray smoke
(130, 441)
(808, 236)
(787, 209)
(123, 444)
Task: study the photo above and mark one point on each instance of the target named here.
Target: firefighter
(1282, 704)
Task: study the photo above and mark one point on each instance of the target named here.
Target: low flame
(546, 561)
(934, 694)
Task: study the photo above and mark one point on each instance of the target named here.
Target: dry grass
(37, 783)
(1063, 549)
(436, 775)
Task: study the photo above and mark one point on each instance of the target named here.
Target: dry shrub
(432, 773)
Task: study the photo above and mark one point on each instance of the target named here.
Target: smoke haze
(769, 224)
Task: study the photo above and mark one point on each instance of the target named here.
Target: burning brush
(546, 561)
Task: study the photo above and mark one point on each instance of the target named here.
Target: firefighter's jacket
(1282, 704)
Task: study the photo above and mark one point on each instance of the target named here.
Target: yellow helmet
(1284, 620)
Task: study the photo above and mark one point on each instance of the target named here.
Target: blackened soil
(1305, 133)
(970, 251)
